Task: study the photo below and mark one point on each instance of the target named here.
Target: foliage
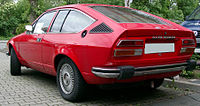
(187, 6)
(187, 74)
(192, 74)
(5, 38)
(14, 15)
(21, 28)
(163, 8)
(23, 11)
(8, 21)
(111, 2)
(2, 2)
(195, 56)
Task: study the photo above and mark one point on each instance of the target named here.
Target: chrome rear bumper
(126, 72)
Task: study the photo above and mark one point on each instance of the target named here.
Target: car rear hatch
(151, 44)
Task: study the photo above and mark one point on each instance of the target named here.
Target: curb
(182, 84)
(3, 41)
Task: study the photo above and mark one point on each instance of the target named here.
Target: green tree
(8, 20)
(163, 8)
(187, 6)
(5, 1)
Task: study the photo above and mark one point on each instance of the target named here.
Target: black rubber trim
(159, 67)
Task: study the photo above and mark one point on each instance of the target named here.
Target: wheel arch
(58, 57)
(10, 46)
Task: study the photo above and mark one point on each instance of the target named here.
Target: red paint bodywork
(97, 49)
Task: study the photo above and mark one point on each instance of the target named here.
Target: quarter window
(43, 23)
(76, 22)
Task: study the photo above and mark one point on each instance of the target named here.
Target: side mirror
(29, 28)
(186, 18)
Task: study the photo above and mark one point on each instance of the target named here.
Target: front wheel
(69, 80)
(15, 66)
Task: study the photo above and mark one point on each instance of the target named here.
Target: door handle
(39, 39)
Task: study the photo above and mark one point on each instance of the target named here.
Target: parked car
(192, 22)
(101, 44)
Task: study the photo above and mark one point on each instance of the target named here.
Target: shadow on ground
(125, 95)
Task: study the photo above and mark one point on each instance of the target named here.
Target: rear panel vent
(101, 28)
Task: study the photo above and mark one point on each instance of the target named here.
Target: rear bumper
(126, 72)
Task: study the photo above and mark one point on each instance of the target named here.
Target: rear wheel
(15, 66)
(69, 80)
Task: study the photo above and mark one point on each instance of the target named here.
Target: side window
(43, 23)
(76, 22)
(59, 21)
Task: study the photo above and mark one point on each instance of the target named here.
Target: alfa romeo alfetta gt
(101, 44)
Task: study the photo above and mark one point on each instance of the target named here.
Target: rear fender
(68, 53)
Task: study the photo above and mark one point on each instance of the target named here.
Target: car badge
(163, 37)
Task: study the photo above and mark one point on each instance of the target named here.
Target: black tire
(73, 77)
(15, 66)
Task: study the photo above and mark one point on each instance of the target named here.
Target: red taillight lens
(130, 43)
(127, 52)
(188, 42)
(129, 48)
(188, 46)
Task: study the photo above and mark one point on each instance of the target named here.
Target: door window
(43, 23)
(59, 21)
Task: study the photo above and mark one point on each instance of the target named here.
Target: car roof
(80, 5)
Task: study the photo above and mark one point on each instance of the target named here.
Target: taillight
(188, 46)
(187, 49)
(130, 43)
(129, 48)
(188, 42)
(127, 52)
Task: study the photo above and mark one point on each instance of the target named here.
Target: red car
(101, 44)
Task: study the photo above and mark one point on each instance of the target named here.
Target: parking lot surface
(36, 88)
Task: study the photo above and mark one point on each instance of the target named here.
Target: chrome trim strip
(130, 40)
(110, 74)
(106, 68)
(106, 75)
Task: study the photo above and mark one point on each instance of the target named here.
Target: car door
(66, 29)
(31, 44)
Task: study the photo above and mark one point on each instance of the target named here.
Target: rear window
(126, 15)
